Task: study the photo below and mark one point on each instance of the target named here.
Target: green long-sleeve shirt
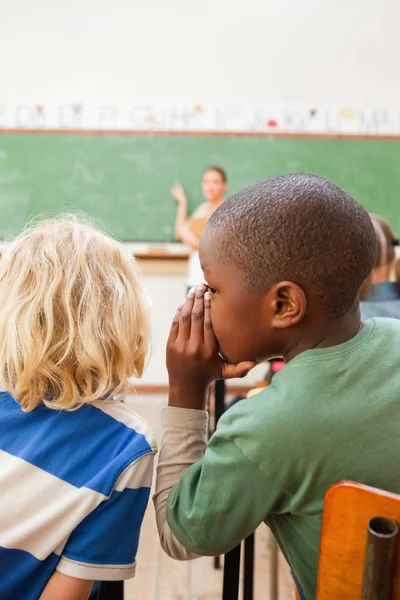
(330, 414)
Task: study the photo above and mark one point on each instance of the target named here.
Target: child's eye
(211, 289)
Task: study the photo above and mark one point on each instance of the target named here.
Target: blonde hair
(73, 320)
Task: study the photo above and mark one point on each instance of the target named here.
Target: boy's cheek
(231, 346)
(231, 335)
(223, 337)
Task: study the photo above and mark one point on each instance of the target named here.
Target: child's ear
(288, 304)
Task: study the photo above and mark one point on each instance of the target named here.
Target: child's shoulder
(126, 417)
(384, 335)
(254, 417)
(91, 447)
(386, 323)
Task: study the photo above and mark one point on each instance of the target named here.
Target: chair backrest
(348, 508)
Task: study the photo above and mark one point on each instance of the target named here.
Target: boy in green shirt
(284, 260)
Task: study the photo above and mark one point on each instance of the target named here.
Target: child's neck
(326, 335)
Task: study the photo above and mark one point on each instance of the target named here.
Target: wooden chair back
(348, 508)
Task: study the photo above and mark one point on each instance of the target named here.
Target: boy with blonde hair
(75, 462)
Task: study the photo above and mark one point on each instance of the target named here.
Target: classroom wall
(332, 52)
(259, 51)
(165, 288)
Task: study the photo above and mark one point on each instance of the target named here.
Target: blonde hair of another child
(73, 318)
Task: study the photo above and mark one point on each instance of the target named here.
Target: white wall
(259, 51)
(333, 52)
(166, 289)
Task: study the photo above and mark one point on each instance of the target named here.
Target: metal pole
(379, 559)
(219, 406)
(217, 562)
(273, 569)
(248, 583)
(219, 400)
(112, 590)
(230, 588)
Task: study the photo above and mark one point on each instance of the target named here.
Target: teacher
(189, 230)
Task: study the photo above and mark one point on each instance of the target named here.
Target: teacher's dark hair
(219, 170)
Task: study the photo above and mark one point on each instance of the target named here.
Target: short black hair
(219, 170)
(301, 228)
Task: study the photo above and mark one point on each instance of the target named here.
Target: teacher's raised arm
(189, 230)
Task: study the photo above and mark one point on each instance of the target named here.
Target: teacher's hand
(178, 193)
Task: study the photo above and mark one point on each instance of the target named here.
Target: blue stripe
(24, 577)
(85, 447)
(110, 534)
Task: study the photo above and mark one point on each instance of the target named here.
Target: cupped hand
(193, 358)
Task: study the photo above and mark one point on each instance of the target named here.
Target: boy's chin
(233, 358)
(226, 357)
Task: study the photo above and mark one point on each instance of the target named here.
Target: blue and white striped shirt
(74, 487)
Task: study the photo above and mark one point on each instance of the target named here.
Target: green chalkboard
(124, 180)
